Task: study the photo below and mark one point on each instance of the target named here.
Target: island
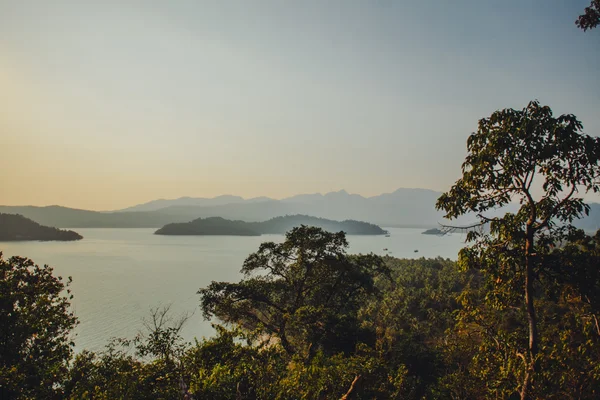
(208, 226)
(434, 231)
(277, 225)
(15, 227)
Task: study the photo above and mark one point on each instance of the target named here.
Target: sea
(120, 275)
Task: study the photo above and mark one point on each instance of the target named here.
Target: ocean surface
(120, 274)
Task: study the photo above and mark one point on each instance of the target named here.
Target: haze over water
(119, 274)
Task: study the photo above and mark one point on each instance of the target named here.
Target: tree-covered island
(278, 225)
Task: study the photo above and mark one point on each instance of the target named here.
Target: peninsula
(15, 227)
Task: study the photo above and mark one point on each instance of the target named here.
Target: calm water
(119, 274)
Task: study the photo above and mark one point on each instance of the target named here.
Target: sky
(107, 104)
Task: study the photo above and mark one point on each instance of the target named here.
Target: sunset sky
(107, 104)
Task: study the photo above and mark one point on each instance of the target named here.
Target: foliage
(35, 323)
(413, 320)
(162, 339)
(573, 341)
(115, 374)
(510, 150)
(305, 291)
(591, 16)
(489, 327)
(395, 329)
(157, 372)
(233, 365)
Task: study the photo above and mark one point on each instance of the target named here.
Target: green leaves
(35, 328)
(301, 291)
(514, 148)
(513, 155)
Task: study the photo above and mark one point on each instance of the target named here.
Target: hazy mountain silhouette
(187, 201)
(63, 217)
(404, 207)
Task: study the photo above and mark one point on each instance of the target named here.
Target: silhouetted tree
(509, 152)
(35, 324)
(591, 17)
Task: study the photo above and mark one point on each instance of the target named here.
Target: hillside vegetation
(308, 321)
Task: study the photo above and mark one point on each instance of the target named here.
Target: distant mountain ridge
(404, 207)
(277, 225)
(155, 205)
(401, 208)
(63, 217)
(222, 200)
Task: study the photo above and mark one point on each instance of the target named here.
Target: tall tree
(591, 17)
(305, 291)
(35, 324)
(509, 155)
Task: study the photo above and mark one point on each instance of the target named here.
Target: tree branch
(546, 221)
(451, 229)
(351, 389)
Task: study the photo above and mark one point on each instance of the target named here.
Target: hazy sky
(108, 104)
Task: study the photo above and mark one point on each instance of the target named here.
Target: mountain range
(402, 208)
(406, 207)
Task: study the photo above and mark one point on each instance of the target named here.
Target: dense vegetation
(35, 324)
(17, 227)
(309, 321)
(280, 225)
(511, 151)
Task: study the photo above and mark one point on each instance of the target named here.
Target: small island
(208, 226)
(278, 225)
(15, 227)
(434, 231)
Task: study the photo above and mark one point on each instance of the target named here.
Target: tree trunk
(284, 342)
(526, 389)
(533, 334)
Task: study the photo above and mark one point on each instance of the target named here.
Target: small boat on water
(387, 235)
(416, 251)
(385, 249)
